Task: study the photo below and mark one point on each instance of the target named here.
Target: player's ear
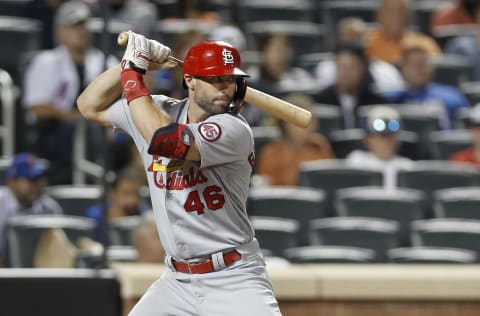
(189, 82)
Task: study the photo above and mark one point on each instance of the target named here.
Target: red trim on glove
(133, 85)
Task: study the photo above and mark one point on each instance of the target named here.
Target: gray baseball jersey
(199, 207)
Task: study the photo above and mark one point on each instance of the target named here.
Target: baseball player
(198, 156)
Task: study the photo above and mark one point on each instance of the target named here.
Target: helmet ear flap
(239, 96)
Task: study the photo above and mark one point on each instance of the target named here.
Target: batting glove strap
(128, 64)
(133, 84)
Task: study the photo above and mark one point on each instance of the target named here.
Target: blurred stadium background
(338, 244)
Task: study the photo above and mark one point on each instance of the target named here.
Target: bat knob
(122, 38)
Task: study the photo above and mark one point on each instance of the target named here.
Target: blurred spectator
(200, 10)
(351, 29)
(53, 81)
(147, 242)
(169, 81)
(24, 193)
(384, 76)
(54, 250)
(471, 155)
(381, 140)
(124, 199)
(392, 35)
(276, 74)
(417, 71)
(124, 154)
(351, 88)
(279, 160)
(230, 34)
(140, 14)
(467, 45)
(457, 12)
(44, 11)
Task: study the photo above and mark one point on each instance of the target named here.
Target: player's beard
(216, 105)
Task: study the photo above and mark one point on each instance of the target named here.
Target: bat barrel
(279, 108)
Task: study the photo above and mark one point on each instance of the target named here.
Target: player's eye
(218, 79)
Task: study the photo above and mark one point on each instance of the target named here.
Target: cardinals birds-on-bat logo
(210, 131)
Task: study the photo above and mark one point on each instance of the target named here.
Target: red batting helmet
(217, 58)
(213, 58)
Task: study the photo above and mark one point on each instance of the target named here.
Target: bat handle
(122, 40)
(175, 59)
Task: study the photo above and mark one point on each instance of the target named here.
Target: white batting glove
(137, 54)
(158, 52)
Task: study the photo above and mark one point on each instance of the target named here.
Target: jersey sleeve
(222, 139)
(120, 117)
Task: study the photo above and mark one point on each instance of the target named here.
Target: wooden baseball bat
(268, 103)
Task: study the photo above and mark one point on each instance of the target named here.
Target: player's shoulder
(227, 124)
(230, 120)
(166, 102)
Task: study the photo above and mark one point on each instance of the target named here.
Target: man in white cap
(141, 15)
(471, 155)
(230, 34)
(53, 81)
(381, 140)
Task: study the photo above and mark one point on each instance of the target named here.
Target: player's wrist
(128, 64)
(133, 84)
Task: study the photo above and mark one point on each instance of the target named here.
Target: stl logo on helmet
(210, 131)
(227, 57)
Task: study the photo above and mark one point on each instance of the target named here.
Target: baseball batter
(198, 156)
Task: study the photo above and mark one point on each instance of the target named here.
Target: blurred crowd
(374, 66)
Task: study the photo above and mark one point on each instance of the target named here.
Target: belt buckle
(190, 262)
(196, 260)
(193, 262)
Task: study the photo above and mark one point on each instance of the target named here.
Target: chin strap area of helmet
(239, 96)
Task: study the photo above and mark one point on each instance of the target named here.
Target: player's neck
(195, 113)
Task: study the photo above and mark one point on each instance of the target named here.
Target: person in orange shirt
(392, 35)
(279, 161)
(471, 155)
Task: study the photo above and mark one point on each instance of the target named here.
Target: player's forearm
(147, 117)
(139, 53)
(100, 94)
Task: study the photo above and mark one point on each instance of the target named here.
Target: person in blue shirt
(124, 199)
(417, 72)
(466, 43)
